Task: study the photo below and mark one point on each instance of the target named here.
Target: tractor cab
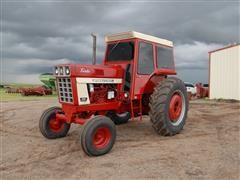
(145, 59)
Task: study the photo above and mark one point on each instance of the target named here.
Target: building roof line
(226, 47)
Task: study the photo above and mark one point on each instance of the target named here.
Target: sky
(36, 35)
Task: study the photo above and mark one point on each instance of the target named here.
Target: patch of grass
(18, 97)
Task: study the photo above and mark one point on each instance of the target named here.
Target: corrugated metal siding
(225, 73)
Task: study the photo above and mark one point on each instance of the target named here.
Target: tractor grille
(65, 90)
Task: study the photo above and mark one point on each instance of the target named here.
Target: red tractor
(132, 81)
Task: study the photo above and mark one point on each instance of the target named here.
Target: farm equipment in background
(36, 91)
(132, 81)
(49, 80)
(47, 89)
(11, 90)
(202, 90)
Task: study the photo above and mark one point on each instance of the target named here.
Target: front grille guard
(65, 90)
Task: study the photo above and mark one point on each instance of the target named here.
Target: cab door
(144, 66)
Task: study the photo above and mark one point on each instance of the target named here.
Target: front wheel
(169, 106)
(98, 136)
(50, 127)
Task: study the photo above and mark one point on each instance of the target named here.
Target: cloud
(194, 55)
(192, 61)
(42, 33)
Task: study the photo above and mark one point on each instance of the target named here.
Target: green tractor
(48, 80)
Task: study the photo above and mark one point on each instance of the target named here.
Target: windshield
(120, 51)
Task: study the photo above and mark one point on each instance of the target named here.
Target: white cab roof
(133, 34)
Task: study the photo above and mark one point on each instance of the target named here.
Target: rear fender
(157, 76)
(153, 80)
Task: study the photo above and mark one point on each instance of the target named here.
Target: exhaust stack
(94, 48)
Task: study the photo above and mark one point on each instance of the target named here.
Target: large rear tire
(169, 107)
(98, 136)
(50, 127)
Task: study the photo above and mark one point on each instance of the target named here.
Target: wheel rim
(54, 125)
(101, 137)
(176, 108)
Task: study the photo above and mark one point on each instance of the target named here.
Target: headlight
(56, 70)
(61, 70)
(67, 70)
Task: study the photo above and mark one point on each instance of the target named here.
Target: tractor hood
(96, 71)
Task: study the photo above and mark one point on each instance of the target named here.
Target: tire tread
(158, 106)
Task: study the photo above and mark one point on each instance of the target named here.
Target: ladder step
(137, 107)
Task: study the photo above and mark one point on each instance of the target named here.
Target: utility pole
(94, 48)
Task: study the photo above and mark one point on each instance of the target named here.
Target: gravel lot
(207, 148)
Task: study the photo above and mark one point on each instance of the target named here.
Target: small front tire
(50, 127)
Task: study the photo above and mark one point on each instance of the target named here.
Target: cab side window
(145, 58)
(165, 57)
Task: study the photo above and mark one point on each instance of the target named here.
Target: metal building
(224, 73)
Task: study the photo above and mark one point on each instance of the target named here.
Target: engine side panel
(97, 90)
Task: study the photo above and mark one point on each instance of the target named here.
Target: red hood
(98, 71)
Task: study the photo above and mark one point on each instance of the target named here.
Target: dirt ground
(207, 148)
